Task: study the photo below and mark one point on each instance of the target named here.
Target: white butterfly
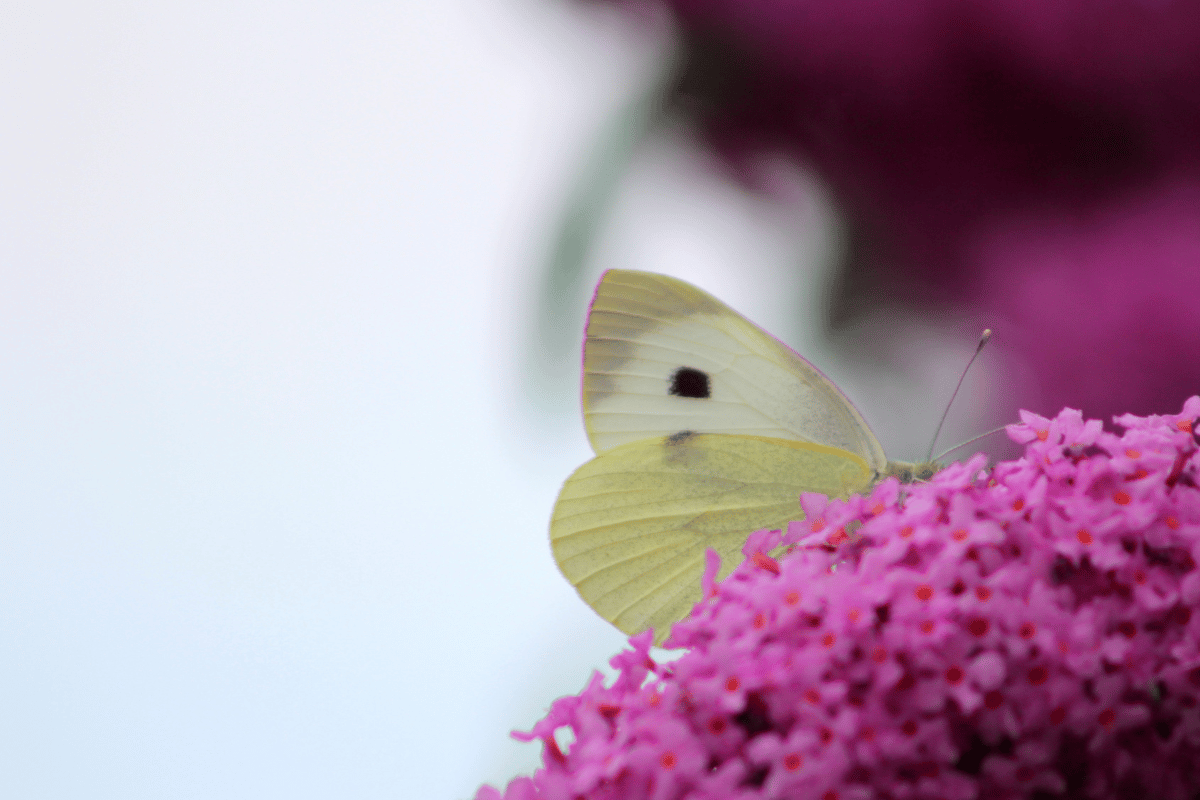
(706, 428)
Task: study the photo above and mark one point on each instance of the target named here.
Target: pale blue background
(272, 509)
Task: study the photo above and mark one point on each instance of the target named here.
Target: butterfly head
(906, 472)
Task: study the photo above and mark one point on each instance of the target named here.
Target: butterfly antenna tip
(983, 339)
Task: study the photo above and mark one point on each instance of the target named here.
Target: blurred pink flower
(1101, 302)
(988, 634)
(933, 119)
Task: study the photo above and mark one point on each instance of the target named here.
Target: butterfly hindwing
(631, 526)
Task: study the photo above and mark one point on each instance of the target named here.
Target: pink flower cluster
(1024, 631)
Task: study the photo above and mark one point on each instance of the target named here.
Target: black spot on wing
(676, 439)
(690, 382)
(680, 452)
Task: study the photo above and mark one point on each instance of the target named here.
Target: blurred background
(291, 299)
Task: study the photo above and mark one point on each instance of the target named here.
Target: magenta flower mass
(1020, 631)
(944, 129)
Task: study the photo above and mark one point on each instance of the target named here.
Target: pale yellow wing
(631, 526)
(661, 356)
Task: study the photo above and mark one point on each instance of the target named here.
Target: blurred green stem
(551, 357)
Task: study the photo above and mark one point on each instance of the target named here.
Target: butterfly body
(706, 428)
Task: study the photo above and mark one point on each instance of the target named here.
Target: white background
(272, 506)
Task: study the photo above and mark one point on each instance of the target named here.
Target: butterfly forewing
(631, 526)
(661, 356)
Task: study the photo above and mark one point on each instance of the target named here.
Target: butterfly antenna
(945, 453)
(983, 339)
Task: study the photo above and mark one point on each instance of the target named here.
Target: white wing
(660, 356)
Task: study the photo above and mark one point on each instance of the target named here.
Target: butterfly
(705, 428)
